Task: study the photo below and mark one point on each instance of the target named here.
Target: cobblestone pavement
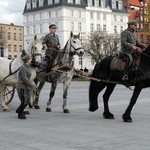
(81, 129)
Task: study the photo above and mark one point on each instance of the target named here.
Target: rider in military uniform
(51, 41)
(129, 45)
(24, 86)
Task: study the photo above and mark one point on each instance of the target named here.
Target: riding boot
(21, 114)
(125, 73)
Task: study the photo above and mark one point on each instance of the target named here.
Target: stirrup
(125, 78)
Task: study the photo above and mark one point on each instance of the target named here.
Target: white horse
(72, 47)
(9, 68)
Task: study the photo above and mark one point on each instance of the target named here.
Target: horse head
(34, 51)
(75, 45)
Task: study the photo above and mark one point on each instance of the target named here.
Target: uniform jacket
(128, 39)
(51, 41)
(24, 75)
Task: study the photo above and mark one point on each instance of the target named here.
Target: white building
(82, 16)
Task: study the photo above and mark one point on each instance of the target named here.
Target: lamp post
(1, 51)
(81, 44)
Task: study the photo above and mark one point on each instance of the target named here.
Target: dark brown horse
(139, 79)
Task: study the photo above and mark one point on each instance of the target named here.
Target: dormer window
(33, 3)
(57, 1)
(28, 4)
(102, 3)
(50, 2)
(97, 4)
(40, 3)
(120, 5)
(70, 1)
(78, 2)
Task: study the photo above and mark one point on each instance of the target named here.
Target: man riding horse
(129, 46)
(52, 46)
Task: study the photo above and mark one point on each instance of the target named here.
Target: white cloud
(11, 11)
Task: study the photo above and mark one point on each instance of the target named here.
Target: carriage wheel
(9, 94)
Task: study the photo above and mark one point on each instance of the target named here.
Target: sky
(11, 11)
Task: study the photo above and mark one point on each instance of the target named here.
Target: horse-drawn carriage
(72, 47)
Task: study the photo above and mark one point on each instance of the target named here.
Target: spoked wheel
(9, 94)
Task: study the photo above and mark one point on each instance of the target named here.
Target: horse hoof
(66, 111)
(127, 119)
(108, 116)
(92, 109)
(5, 110)
(26, 112)
(36, 106)
(30, 106)
(48, 109)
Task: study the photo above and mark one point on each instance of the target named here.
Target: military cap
(52, 25)
(26, 57)
(132, 22)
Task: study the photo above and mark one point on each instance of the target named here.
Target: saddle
(118, 63)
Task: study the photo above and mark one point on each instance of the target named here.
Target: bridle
(75, 49)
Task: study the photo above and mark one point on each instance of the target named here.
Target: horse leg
(52, 93)
(2, 91)
(107, 114)
(65, 93)
(37, 94)
(94, 89)
(126, 116)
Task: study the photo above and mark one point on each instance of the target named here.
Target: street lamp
(82, 33)
(1, 51)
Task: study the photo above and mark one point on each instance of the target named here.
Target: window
(15, 56)
(9, 56)
(28, 30)
(28, 4)
(34, 29)
(120, 4)
(9, 48)
(113, 5)
(57, 1)
(41, 28)
(121, 18)
(104, 16)
(98, 15)
(72, 13)
(72, 26)
(98, 27)
(34, 4)
(115, 29)
(15, 48)
(92, 61)
(121, 29)
(33, 17)
(115, 18)
(80, 60)
(20, 48)
(40, 3)
(78, 2)
(20, 37)
(70, 1)
(14, 36)
(40, 16)
(9, 36)
(91, 27)
(79, 14)
(79, 26)
(104, 27)
(97, 4)
(49, 14)
(50, 2)
(102, 3)
(91, 15)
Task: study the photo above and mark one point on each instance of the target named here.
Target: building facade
(11, 40)
(82, 16)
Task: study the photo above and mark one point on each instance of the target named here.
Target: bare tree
(101, 44)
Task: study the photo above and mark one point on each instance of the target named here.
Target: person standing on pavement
(24, 86)
(52, 45)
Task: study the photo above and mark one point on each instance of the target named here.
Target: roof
(135, 3)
